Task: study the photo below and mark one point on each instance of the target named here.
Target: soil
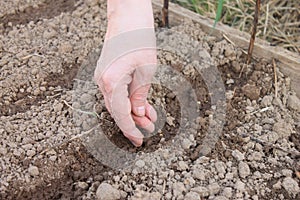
(45, 46)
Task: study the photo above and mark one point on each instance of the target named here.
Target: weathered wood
(289, 62)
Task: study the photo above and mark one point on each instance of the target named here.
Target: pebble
(220, 167)
(30, 153)
(186, 144)
(227, 192)
(277, 185)
(178, 188)
(33, 170)
(213, 188)
(282, 128)
(251, 91)
(238, 155)
(239, 185)
(86, 98)
(170, 121)
(293, 103)
(82, 185)
(202, 191)
(230, 81)
(267, 101)
(58, 107)
(49, 34)
(182, 166)
(106, 191)
(291, 186)
(65, 48)
(3, 150)
(244, 169)
(199, 174)
(287, 172)
(140, 163)
(192, 196)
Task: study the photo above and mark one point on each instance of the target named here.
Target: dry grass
(279, 20)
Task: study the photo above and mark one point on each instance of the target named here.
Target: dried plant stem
(165, 14)
(275, 79)
(252, 39)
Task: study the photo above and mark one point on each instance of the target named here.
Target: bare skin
(125, 82)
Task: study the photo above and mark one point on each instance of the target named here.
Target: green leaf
(219, 12)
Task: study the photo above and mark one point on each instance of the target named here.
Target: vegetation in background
(279, 21)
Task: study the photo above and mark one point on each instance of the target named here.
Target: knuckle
(139, 97)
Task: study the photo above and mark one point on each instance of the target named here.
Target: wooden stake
(252, 39)
(165, 14)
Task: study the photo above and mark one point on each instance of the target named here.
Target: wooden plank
(289, 62)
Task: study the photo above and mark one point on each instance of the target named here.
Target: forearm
(127, 15)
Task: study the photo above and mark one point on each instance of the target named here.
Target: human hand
(127, 65)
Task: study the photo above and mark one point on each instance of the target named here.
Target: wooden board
(288, 62)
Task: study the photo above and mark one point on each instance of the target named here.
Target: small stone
(53, 158)
(220, 167)
(182, 166)
(238, 155)
(230, 81)
(255, 197)
(58, 107)
(199, 174)
(192, 196)
(255, 156)
(3, 150)
(239, 185)
(178, 188)
(65, 48)
(83, 185)
(106, 191)
(287, 172)
(170, 121)
(186, 144)
(33, 170)
(34, 71)
(277, 186)
(266, 101)
(293, 103)
(283, 129)
(168, 195)
(30, 153)
(86, 98)
(36, 92)
(140, 163)
(251, 91)
(227, 192)
(244, 169)
(213, 188)
(236, 66)
(202, 191)
(48, 34)
(291, 186)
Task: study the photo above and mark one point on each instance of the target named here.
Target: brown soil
(59, 179)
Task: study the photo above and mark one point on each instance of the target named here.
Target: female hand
(127, 65)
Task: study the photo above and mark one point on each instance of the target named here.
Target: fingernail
(140, 111)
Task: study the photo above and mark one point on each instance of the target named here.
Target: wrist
(127, 15)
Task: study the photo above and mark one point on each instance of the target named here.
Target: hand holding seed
(127, 65)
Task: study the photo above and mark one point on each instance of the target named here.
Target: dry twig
(165, 13)
(252, 39)
(275, 79)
